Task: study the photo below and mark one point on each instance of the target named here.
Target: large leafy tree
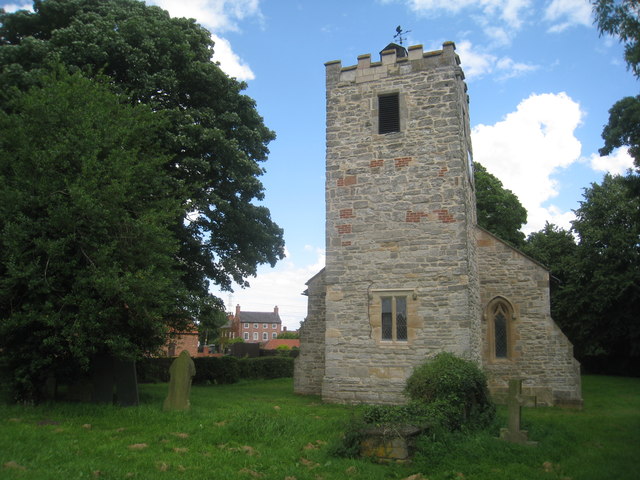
(620, 18)
(499, 209)
(555, 248)
(215, 135)
(206, 154)
(87, 254)
(604, 294)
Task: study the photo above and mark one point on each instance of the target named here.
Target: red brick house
(258, 327)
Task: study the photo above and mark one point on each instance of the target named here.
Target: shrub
(457, 387)
(266, 367)
(216, 370)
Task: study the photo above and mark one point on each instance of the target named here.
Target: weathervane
(400, 34)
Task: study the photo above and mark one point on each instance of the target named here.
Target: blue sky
(540, 78)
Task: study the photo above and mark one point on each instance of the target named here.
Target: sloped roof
(259, 317)
(276, 342)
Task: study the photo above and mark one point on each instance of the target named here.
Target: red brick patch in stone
(347, 213)
(402, 161)
(347, 181)
(344, 228)
(414, 217)
(444, 216)
(376, 163)
(442, 171)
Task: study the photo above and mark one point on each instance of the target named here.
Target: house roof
(276, 342)
(259, 317)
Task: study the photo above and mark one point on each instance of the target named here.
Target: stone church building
(408, 271)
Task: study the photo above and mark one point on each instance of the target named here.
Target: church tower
(401, 277)
(408, 272)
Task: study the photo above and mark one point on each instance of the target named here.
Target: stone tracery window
(500, 318)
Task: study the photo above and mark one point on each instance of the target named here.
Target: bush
(266, 367)
(216, 370)
(458, 387)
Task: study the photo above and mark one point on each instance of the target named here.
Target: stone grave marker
(109, 373)
(181, 371)
(515, 402)
(126, 382)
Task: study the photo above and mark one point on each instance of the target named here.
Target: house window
(274, 335)
(255, 335)
(246, 325)
(388, 113)
(394, 318)
(265, 336)
(274, 325)
(264, 325)
(246, 335)
(255, 325)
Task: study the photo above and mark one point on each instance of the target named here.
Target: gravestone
(109, 373)
(515, 402)
(181, 371)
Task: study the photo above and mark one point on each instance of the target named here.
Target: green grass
(260, 429)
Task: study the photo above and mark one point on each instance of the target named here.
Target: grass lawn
(260, 429)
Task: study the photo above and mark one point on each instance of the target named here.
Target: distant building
(177, 342)
(258, 327)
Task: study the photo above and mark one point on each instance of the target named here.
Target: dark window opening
(388, 113)
(500, 326)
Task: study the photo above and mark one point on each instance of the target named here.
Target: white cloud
(486, 12)
(14, 7)
(281, 286)
(616, 164)
(230, 63)
(526, 148)
(477, 63)
(219, 16)
(564, 14)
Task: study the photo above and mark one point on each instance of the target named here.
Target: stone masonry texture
(401, 222)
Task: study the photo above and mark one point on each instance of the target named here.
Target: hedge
(218, 370)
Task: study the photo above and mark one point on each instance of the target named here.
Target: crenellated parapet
(391, 64)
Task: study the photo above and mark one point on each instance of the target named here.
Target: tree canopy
(499, 210)
(87, 254)
(620, 18)
(596, 268)
(215, 135)
(130, 169)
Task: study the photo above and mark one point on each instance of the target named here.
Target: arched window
(499, 315)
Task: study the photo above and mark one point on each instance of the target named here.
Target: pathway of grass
(261, 429)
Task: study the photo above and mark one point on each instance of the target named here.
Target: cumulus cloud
(219, 16)
(616, 164)
(526, 148)
(478, 63)
(563, 14)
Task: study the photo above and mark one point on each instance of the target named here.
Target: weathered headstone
(109, 373)
(126, 382)
(181, 371)
(515, 402)
(102, 379)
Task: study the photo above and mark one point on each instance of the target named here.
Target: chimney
(238, 311)
(275, 310)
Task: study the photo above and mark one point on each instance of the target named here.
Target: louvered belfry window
(388, 113)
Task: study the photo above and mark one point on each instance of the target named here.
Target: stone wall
(540, 353)
(400, 219)
(308, 369)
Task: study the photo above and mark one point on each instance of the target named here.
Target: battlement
(392, 65)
